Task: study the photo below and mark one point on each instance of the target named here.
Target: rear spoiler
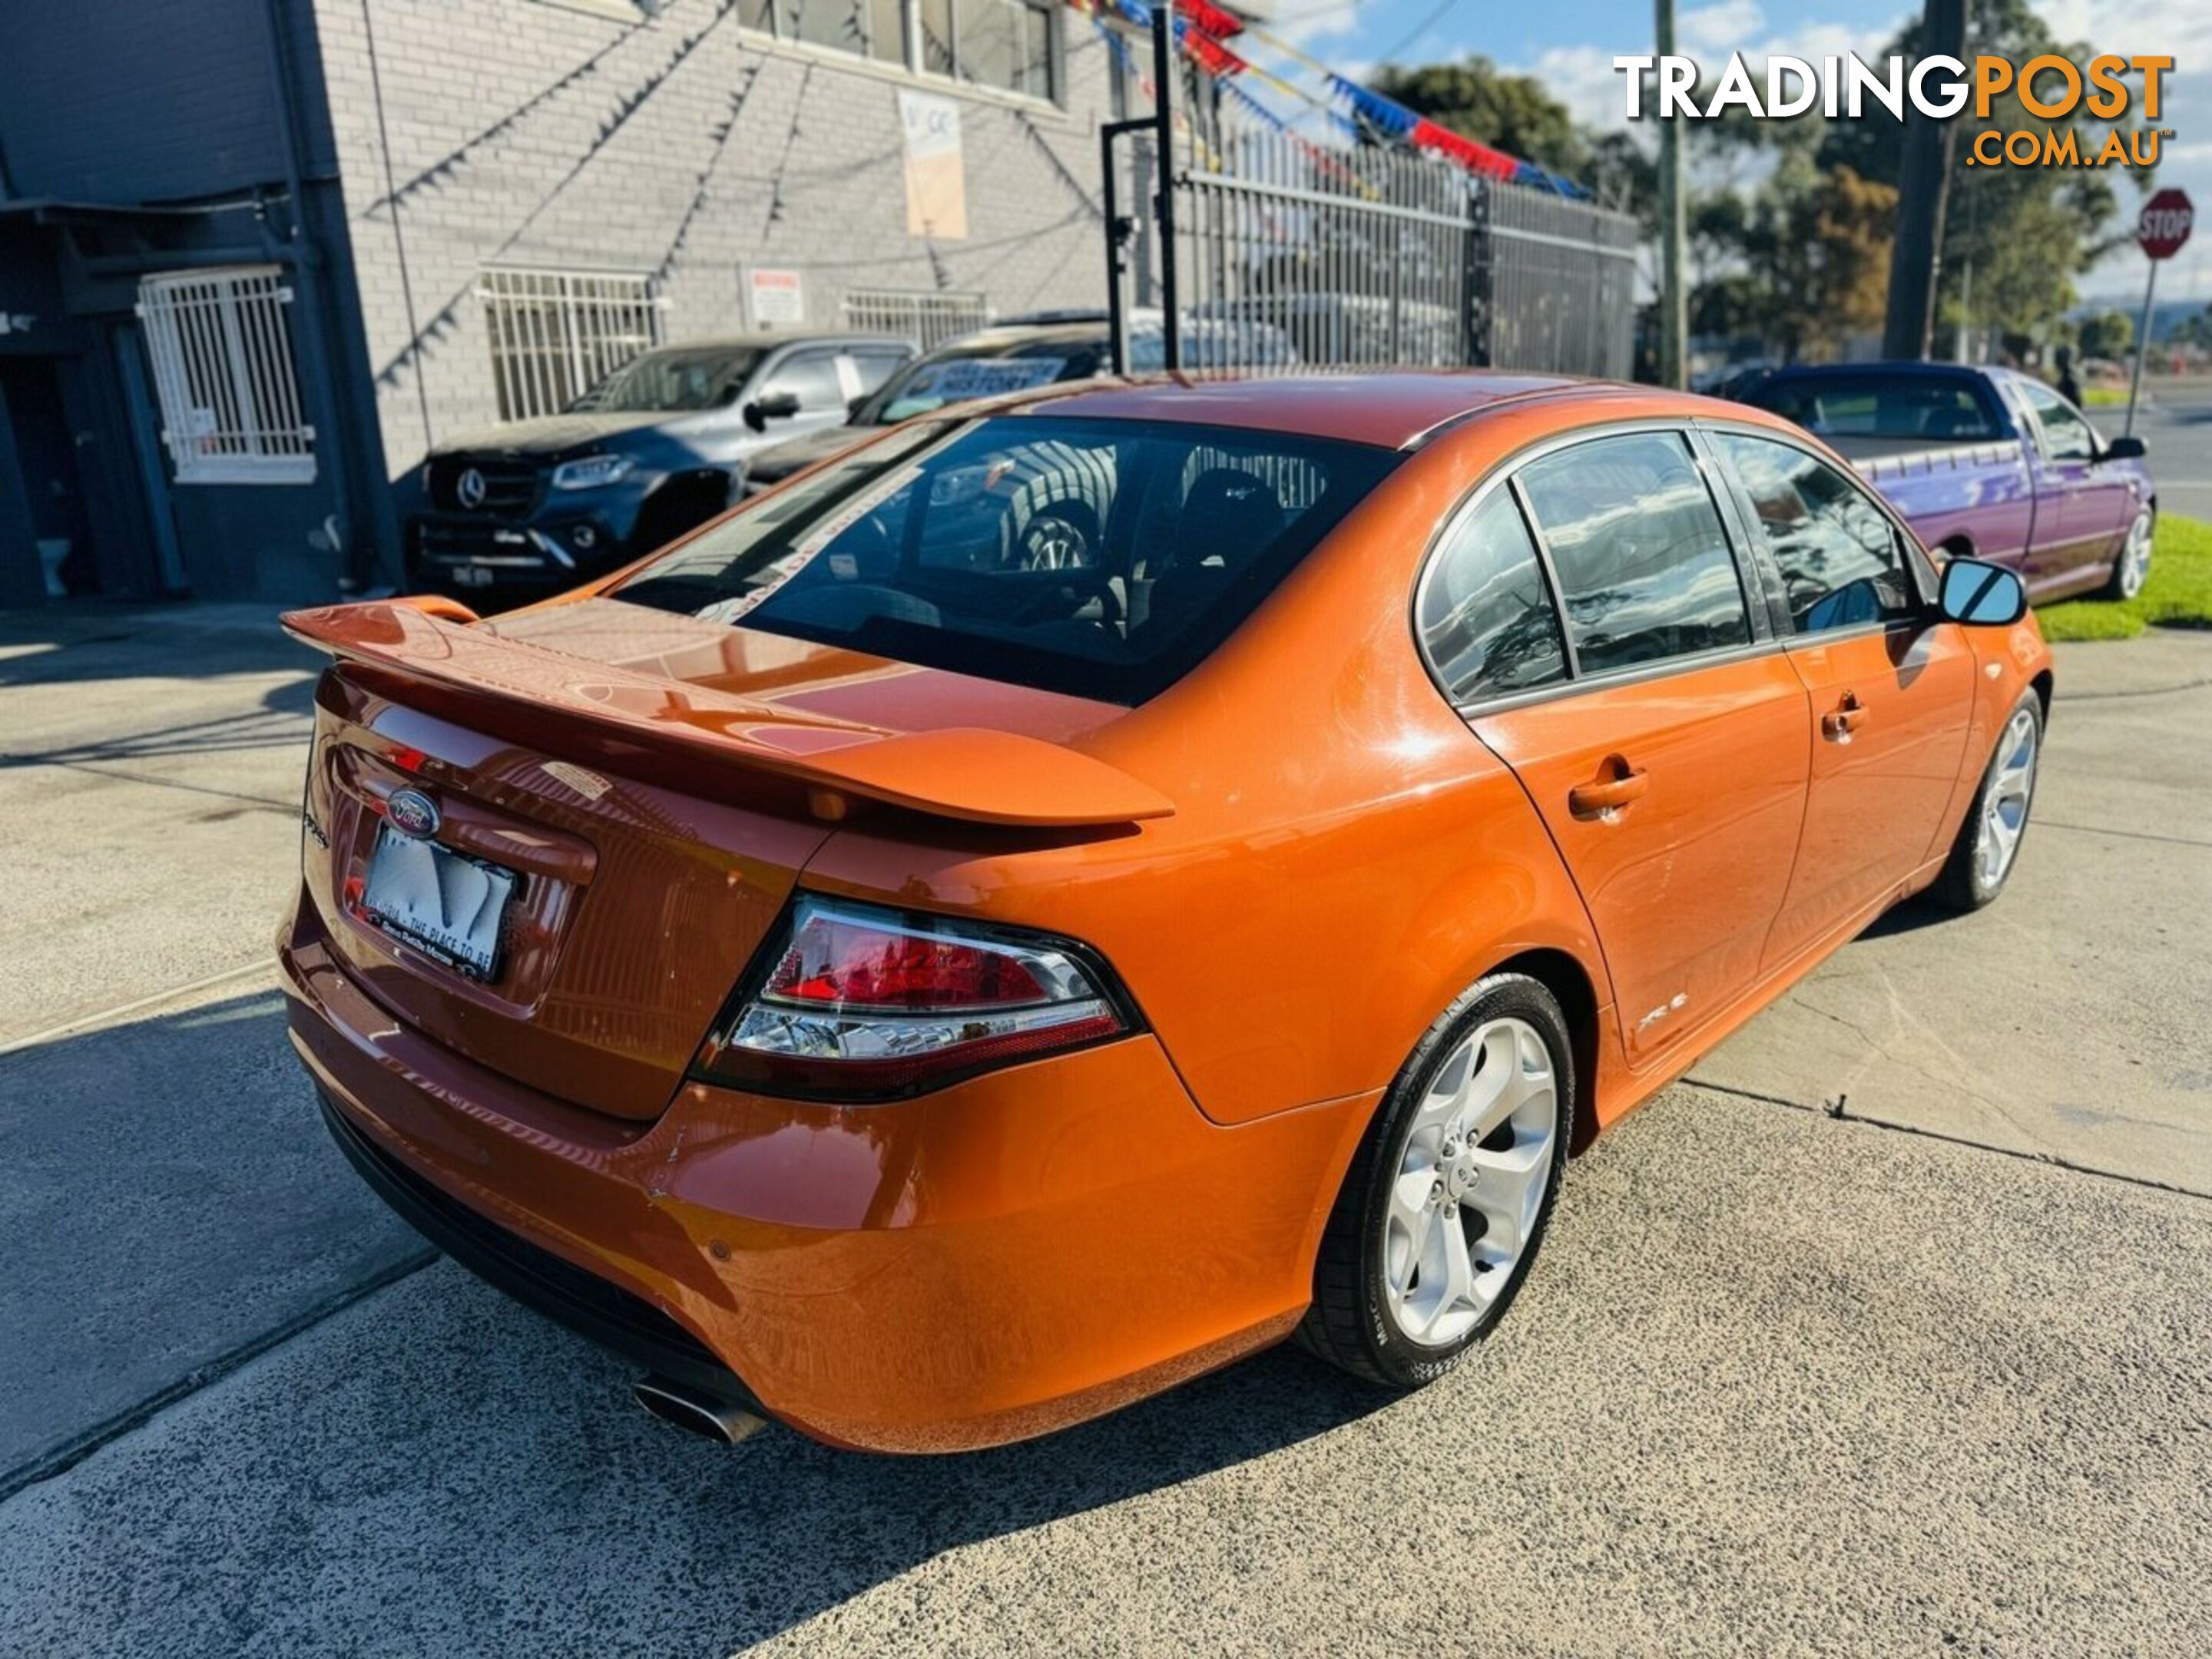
(974, 775)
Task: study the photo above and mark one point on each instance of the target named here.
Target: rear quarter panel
(1345, 857)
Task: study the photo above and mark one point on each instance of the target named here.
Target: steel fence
(928, 319)
(1554, 284)
(1291, 253)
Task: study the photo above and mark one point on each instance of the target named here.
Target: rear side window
(1840, 559)
(1101, 558)
(1644, 566)
(1486, 617)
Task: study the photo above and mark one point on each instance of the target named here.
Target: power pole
(1924, 182)
(1673, 231)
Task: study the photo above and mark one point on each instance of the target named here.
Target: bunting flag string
(1200, 29)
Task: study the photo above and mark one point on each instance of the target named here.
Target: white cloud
(1584, 80)
(1317, 20)
(1718, 28)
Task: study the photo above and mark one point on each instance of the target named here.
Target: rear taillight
(852, 1001)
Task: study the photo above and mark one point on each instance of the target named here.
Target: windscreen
(1880, 406)
(673, 381)
(1101, 558)
(927, 384)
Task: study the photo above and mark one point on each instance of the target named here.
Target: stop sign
(2163, 224)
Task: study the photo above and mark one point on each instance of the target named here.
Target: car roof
(1391, 409)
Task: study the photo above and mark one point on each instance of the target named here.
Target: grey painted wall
(128, 100)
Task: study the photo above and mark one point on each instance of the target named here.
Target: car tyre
(1400, 1310)
(2131, 569)
(1987, 848)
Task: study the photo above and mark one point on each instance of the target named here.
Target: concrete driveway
(1784, 1382)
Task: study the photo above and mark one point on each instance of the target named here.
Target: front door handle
(1617, 784)
(1840, 723)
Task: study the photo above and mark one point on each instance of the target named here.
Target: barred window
(925, 316)
(221, 354)
(555, 335)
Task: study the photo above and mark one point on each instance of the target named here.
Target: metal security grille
(222, 355)
(555, 335)
(926, 318)
(1292, 253)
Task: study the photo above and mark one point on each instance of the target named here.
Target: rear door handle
(1605, 796)
(1839, 723)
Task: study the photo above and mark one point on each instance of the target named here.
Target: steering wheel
(1069, 582)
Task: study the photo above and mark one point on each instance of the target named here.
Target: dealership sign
(2163, 226)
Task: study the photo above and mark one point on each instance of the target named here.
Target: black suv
(657, 447)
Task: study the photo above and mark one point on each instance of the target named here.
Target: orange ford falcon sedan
(1072, 892)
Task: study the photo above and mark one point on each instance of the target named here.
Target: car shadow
(1909, 917)
(403, 1430)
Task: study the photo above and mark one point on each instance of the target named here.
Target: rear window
(1881, 406)
(1101, 558)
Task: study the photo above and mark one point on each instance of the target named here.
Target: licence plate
(473, 575)
(445, 904)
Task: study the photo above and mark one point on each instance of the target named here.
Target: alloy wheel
(2004, 807)
(1470, 1182)
(2134, 557)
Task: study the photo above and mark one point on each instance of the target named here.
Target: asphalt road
(1910, 1379)
(2176, 423)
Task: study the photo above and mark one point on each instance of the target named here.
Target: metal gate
(1290, 254)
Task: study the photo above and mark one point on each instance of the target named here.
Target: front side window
(1101, 558)
(2066, 434)
(1841, 561)
(1643, 565)
(809, 376)
(1486, 615)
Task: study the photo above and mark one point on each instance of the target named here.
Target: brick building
(254, 258)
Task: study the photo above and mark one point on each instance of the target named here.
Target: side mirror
(1981, 595)
(777, 406)
(2123, 449)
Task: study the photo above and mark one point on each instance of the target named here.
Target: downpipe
(704, 1414)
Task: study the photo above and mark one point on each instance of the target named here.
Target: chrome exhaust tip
(702, 1415)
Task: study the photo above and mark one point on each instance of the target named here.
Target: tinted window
(810, 376)
(2066, 434)
(1840, 559)
(1486, 616)
(1918, 406)
(1643, 565)
(1104, 558)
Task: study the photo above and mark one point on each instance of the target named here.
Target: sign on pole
(2161, 231)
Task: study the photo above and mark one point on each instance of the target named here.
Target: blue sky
(1569, 46)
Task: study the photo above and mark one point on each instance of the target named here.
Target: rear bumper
(999, 1258)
